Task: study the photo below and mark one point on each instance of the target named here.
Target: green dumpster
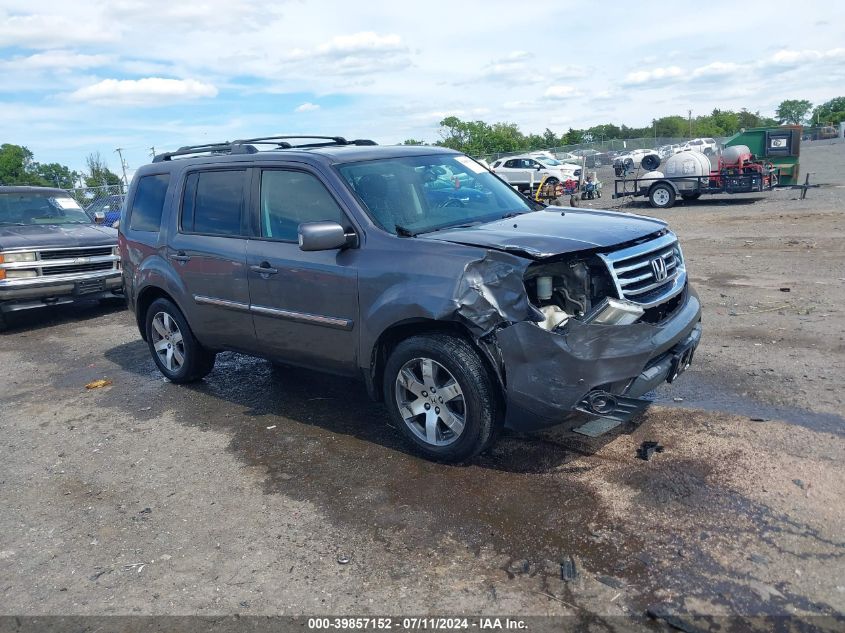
(781, 146)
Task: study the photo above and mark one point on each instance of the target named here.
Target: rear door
(208, 251)
(304, 304)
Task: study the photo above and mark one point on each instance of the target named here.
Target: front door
(208, 252)
(304, 304)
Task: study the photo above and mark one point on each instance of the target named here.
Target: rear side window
(148, 203)
(213, 202)
(291, 198)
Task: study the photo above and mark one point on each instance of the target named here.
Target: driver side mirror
(322, 236)
(538, 166)
(99, 217)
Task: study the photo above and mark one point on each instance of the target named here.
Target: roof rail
(247, 146)
(209, 148)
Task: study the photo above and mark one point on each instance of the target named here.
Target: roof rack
(247, 146)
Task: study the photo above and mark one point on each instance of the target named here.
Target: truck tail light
(2, 270)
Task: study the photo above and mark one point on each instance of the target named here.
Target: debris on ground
(669, 614)
(518, 567)
(99, 384)
(270, 428)
(344, 559)
(785, 289)
(647, 450)
(610, 581)
(568, 570)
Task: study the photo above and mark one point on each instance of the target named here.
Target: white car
(526, 169)
(703, 145)
(665, 151)
(635, 155)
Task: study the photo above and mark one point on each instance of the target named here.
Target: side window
(148, 203)
(213, 202)
(511, 164)
(290, 198)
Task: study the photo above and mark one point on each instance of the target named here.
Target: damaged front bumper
(551, 375)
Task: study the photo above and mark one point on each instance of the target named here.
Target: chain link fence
(606, 146)
(107, 200)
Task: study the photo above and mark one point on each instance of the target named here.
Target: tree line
(19, 167)
(481, 138)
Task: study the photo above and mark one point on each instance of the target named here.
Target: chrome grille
(77, 268)
(648, 273)
(71, 253)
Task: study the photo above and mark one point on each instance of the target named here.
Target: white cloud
(657, 76)
(45, 31)
(365, 41)
(56, 60)
(561, 92)
(307, 107)
(347, 55)
(794, 58)
(147, 91)
(716, 69)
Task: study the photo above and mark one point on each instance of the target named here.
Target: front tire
(441, 397)
(661, 196)
(175, 351)
(691, 196)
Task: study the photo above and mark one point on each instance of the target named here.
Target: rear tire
(691, 196)
(661, 196)
(2, 322)
(175, 351)
(441, 397)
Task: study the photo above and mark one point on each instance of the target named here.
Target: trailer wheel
(692, 195)
(661, 196)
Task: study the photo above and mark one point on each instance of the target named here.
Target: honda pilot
(464, 306)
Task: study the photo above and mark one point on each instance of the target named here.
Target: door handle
(181, 256)
(264, 269)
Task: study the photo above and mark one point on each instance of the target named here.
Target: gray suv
(461, 304)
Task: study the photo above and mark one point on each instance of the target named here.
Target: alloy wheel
(430, 401)
(167, 341)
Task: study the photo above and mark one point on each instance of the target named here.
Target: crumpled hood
(553, 231)
(56, 236)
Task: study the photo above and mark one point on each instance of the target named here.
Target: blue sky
(93, 76)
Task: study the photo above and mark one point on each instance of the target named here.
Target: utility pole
(152, 151)
(689, 116)
(119, 151)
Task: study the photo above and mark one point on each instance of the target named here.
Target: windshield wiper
(401, 231)
(513, 214)
(12, 224)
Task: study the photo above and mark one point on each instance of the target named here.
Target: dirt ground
(239, 494)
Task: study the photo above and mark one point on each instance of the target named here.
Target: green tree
(99, 174)
(825, 112)
(413, 141)
(793, 111)
(17, 166)
(57, 175)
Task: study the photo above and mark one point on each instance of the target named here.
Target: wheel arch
(143, 302)
(402, 330)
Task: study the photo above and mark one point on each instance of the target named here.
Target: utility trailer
(662, 192)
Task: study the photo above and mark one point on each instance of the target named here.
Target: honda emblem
(658, 267)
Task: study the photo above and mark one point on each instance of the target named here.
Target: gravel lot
(239, 494)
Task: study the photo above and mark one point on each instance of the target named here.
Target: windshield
(24, 209)
(548, 161)
(425, 193)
